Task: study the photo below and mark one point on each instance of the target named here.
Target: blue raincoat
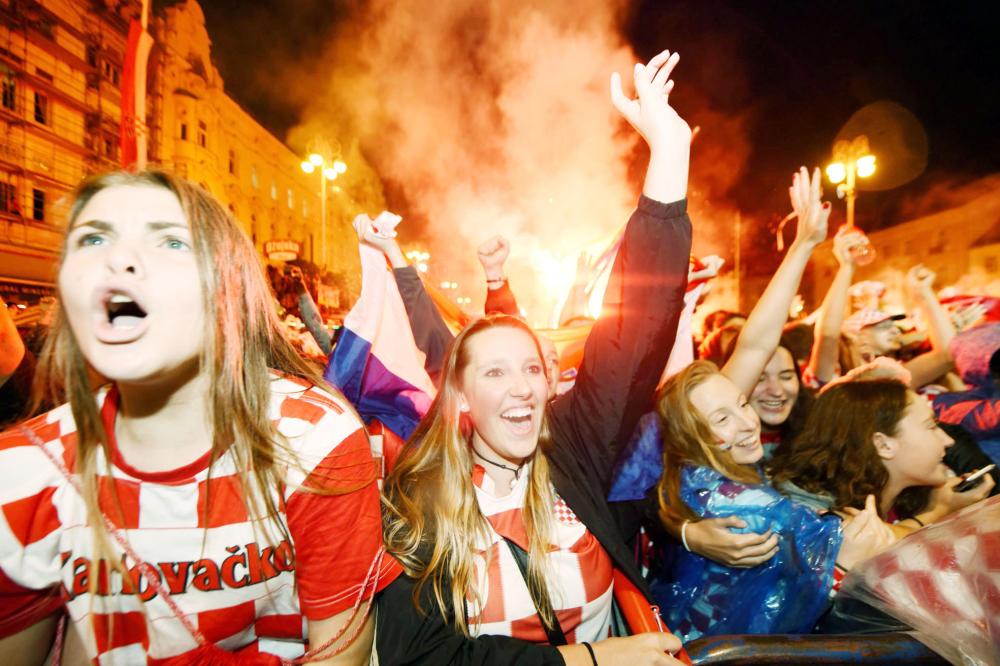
(786, 594)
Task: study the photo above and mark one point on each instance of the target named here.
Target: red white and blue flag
(376, 363)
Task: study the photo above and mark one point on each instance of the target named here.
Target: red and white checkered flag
(944, 581)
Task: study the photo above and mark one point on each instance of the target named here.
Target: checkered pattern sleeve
(29, 522)
(332, 505)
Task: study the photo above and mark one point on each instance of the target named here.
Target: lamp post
(852, 160)
(317, 162)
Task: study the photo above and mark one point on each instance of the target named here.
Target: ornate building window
(38, 205)
(41, 108)
(8, 199)
(10, 93)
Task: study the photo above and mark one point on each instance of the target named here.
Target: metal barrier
(815, 649)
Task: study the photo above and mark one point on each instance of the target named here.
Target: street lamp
(852, 160)
(316, 162)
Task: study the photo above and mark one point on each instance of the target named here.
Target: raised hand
(812, 213)
(384, 242)
(668, 135)
(920, 280)
(968, 316)
(298, 279)
(650, 113)
(712, 265)
(845, 240)
(492, 255)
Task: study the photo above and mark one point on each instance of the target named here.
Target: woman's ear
(887, 447)
(463, 404)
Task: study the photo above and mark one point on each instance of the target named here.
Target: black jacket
(623, 359)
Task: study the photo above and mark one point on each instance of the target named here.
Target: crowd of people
(183, 483)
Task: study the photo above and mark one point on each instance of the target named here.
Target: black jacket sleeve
(405, 635)
(501, 301)
(429, 330)
(628, 347)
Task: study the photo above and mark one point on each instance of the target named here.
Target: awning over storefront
(26, 278)
(20, 265)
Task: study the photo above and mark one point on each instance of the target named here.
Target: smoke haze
(495, 119)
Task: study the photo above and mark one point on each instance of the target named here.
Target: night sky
(796, 70)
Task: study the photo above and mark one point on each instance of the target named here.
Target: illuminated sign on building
(282, 250)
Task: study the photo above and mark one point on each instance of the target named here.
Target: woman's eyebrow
(100, 225)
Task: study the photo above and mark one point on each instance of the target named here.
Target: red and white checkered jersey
(579, 572)
(245, 584)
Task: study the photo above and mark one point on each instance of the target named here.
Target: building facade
(960, 244)
(200, 133)
(60, 67)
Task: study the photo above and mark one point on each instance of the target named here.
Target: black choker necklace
(516, 470)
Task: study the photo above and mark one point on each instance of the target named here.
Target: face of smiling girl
(732, 420)
(130, 287)
(504, 391)
(777, 389)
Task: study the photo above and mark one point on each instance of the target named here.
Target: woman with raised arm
(496, 506)
(216, 496)
(758, 366)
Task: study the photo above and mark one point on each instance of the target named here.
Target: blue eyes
(176, 244)
(90, 240)
(96, 239)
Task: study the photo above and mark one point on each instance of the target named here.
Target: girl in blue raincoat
(711, 451)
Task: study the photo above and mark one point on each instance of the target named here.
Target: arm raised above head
(629, 345)
(760, 335)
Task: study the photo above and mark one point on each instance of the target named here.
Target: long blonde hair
(431, 519)
(244, 341)
(687, 439)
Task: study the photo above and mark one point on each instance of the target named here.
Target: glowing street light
(836, 172)
(866, 165)
(852, 160)
(311, 164)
